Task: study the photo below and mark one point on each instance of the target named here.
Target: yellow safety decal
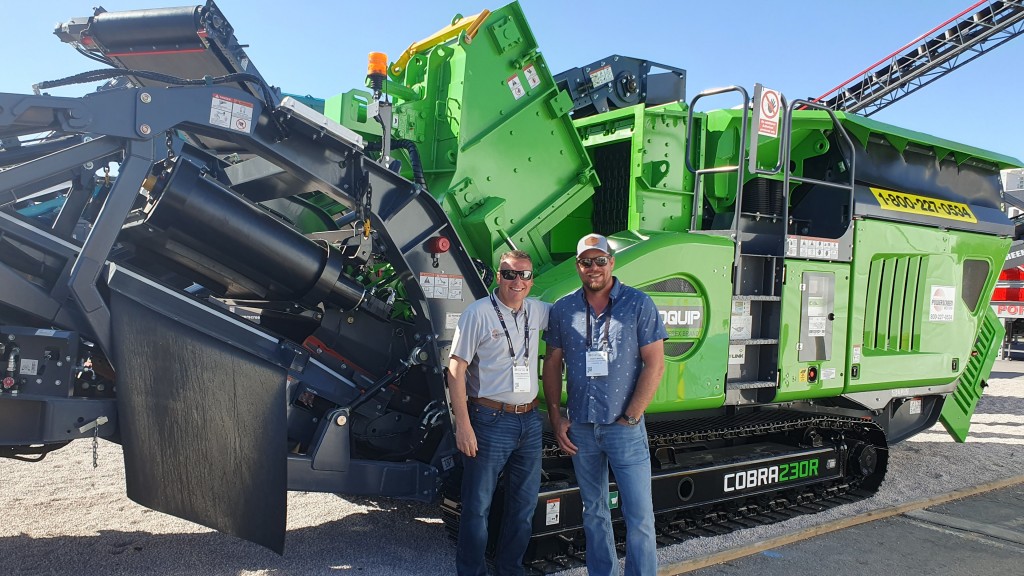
(914, 204)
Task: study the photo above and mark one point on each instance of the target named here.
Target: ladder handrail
(698, 192)
(787, 152)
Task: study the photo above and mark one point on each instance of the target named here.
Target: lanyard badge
(521, 381)
(597, 360)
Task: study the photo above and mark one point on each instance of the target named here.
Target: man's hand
(561, 429)
(465, 439)
(552, 376)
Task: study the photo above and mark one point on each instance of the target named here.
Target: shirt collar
(616, 289)
(503, 306)
(614, 294)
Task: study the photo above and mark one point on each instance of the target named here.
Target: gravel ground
(62, 517)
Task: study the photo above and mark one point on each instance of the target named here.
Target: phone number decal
(902, 202)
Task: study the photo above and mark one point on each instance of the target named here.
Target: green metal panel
(910, 325)
(695, 378)
(832, 372)
(960, 405)
(862, 128)
(639, 155)
(498, 148)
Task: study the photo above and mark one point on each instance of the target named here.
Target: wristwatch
(630, 420)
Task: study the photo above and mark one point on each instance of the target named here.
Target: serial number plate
(914, 204)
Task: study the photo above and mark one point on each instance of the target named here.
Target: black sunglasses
(511, 274)
(600, 261)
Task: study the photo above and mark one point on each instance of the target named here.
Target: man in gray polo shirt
(492, 378)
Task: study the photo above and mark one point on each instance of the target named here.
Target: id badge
(520, 379)
(597, 363)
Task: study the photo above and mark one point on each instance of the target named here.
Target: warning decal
(601, 76)
(441, 286)
(532, 78)
(552, 511)
(768, 122)
(231, 113)
(516, 86)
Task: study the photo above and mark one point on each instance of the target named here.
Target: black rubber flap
(202, 425)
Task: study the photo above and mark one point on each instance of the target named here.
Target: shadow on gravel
(1000, 405)
(350, 546)
(1006, 375)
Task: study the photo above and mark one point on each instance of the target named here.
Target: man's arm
(465, 437)
(552, 377)
(653, 356)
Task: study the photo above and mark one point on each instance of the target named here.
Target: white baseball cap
(593, 242)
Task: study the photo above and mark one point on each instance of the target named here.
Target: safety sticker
(441, 286)
(856, 354)
(817, 326)
(914, 406)
(741, 328)
(448, 462)
(532, 78)
(828, 374)
(553, 508)
(451, 320)
(940, 307)
(816, 306)
(741, 307)
(811, 247)
(737, 354)
(231, 113)
(768, 121)
(601, 76)
(29, 367)
(516, 86)
(914, 204)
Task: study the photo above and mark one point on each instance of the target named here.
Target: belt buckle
(515, 408)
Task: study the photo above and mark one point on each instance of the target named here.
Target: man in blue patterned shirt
(611, 340)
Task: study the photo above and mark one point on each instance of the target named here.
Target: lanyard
(508, 337)
(590, 340)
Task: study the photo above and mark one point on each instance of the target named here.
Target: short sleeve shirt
(480, 341)
(633, 323)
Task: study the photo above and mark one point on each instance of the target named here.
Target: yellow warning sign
(914, 204)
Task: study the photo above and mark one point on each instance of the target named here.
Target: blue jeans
(626, 449)
(505, 442)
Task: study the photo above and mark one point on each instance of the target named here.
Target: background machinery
(253, 292)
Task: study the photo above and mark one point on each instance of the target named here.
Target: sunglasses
(600, 262)
(511, 274)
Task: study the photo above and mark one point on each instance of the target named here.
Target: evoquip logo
(683, 321)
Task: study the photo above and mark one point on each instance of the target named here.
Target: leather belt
(514, 408)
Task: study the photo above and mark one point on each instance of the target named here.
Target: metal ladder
(760, 231)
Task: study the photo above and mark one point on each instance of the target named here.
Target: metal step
(750, 384)
(755, 341)
(757, 297)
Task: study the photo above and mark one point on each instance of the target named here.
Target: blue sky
(802, 48)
